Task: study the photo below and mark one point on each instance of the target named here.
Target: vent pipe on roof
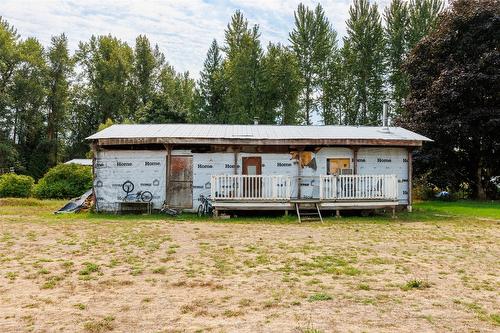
(255, 120)
(385, 123)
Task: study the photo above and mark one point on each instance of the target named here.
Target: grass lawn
(434, 270)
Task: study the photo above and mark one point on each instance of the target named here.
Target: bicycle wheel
(128, 186)
(146, 196)
(200, 210)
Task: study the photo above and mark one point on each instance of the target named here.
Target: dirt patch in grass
(84, 274)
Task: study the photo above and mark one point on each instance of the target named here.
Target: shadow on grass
(379, 217)
(429, 211)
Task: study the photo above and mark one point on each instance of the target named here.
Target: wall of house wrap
(147, 171)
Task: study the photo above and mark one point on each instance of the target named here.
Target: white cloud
(182, 29)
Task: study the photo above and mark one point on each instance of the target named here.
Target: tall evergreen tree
(60, 69)
(406, 23)
(423, 17)
(331, 85)
(347, 111)
(397, 45)
(243, 72)
(209, 106)
(365, 37)
(312, 40)
(281, 84)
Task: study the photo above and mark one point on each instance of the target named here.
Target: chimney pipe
(385, 123)
(255, 120)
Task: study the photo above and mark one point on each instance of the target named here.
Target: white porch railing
(279, 187)
(358, 187)
(249, 187)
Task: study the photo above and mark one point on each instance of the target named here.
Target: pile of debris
(75, 205)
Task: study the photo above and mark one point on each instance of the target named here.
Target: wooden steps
(310, 215)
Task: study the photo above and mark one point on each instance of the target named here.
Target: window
(339, 166)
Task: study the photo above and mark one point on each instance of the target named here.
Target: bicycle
(169, 211)
(144, 196)
(205, 208)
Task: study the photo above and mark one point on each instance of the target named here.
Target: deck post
(355, 167)
(337, 213)
(355, 158)
(235, 161)
(94, 158)
(410, 183)
(167, 182)
(299, 172)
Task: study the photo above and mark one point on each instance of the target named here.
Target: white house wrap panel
(146, 169)
(386, 161)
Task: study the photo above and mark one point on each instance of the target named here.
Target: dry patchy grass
(85, 273)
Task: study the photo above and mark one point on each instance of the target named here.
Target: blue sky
(182, 29)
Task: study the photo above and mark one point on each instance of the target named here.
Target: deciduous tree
(454, 97)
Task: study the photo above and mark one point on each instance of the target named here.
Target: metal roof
(256, 132)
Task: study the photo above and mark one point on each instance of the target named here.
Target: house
(255, 167)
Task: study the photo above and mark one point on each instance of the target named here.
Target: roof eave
(258, 142)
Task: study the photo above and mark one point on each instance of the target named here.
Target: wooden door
(180, 184)
(252, 186)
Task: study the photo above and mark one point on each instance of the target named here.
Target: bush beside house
(16, 186)
(64, 181)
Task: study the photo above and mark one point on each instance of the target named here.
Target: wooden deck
(222, 205)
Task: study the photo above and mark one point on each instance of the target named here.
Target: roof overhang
(254, 142)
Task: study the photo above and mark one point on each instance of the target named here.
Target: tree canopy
(51, 98)
(454, 97)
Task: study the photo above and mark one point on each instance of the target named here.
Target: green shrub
(17, 186)
(416, 284)
(64, 181)
(320, 297)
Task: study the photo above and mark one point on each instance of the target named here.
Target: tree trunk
(480, 189)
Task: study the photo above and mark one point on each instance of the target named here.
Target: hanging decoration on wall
(305, 158)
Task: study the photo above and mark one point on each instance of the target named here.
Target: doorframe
(256, 184)
(169, 174)
(167, 181)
